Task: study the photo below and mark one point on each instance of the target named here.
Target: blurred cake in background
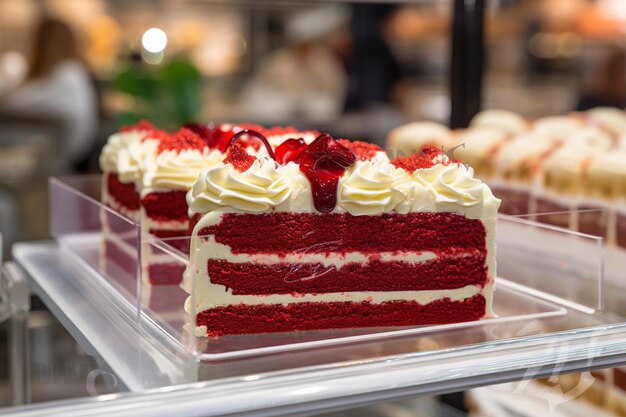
(408, 139)
(506, 121)
(539, 167)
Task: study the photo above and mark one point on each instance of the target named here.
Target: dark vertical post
(466, 63)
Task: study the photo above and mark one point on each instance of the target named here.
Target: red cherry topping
(204, 131)
(239, 158)
(323, 162)
(428, 157)
(290, 150)
(363, 150)
(217, 136)
(180, 140)
(255, 134)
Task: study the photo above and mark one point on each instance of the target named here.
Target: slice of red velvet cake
(147, 174)
(168, 174)
(332, 234)
(122, 163)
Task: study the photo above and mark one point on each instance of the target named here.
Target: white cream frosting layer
(453, 184)
(374, 187)
(368, 187)
(255, 190)
(116, 144)
(178, 170)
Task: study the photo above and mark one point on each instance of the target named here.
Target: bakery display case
(554, 306)
(111, 279)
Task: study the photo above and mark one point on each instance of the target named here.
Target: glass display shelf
(554, 300)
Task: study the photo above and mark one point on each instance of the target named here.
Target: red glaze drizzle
(290, 150)
(255, 134)
(323, 162)
(217, 136)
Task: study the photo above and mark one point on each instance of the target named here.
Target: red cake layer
(166, 205)
(125, 194)
(285, 232)
(179, 239)
(114, 253)
(166, 273)
(272, 318)
(305, 278)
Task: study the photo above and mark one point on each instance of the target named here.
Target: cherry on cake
(332, 234)
(147, 174)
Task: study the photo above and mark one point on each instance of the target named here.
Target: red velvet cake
(328, 234)
(122, 161)
(147, 174)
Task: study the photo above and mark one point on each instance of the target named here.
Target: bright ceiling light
(154, 40)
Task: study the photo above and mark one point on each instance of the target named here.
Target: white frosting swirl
(133, 160)
(257, 189)
(178, 169)
(372, 187)
(451, 184)
(117, 143)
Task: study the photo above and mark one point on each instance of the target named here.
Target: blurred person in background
(608, 84)
(306, 78)
(374, 73)
(58, 87)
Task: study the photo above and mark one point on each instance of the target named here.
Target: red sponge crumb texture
(363, 150)
(180, 140)
(273, 318)
(423, 159)
(151, 131)
(165, 206)
(315, 278)
(239, 158)
(284, 232)
(413, 162)
(125, 194)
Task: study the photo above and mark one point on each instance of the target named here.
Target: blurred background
(73, 71)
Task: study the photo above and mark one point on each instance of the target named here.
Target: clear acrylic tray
(550, 281)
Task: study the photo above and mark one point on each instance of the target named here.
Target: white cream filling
(487, 292)
(221, 251)
(220, 297)
(152, 224)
